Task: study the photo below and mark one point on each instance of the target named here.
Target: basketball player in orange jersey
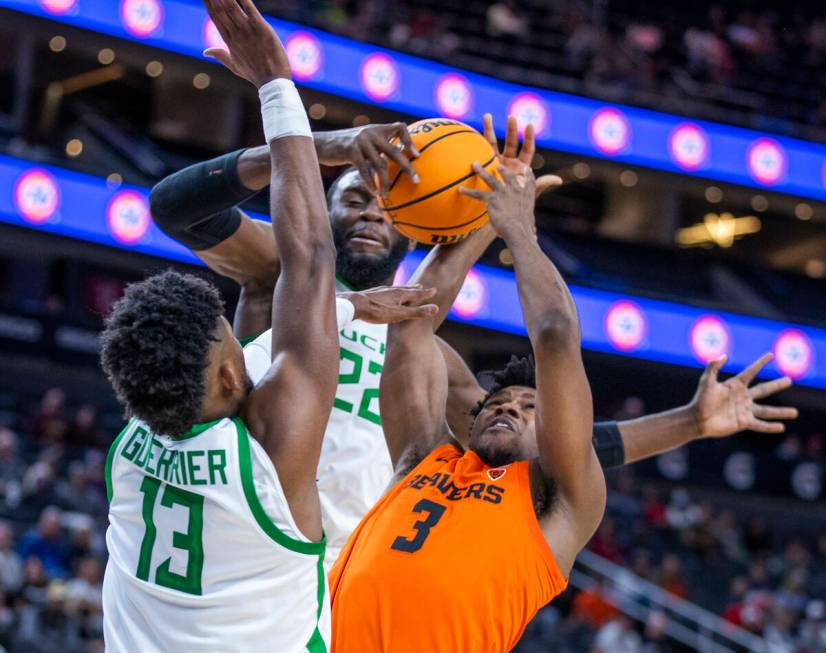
(468, 544)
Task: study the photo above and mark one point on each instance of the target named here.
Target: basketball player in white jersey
(198, 207)
(215, 539)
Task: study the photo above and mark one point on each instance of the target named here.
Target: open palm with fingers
(727, 407)
(518, 159)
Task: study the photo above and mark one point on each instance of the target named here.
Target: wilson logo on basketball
(496, 474)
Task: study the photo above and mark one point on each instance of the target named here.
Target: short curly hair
(518, 371)
(155, 348)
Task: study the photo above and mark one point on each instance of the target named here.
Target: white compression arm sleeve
(344, 312)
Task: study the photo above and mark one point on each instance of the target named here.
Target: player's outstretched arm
(414, 381)
(564, 413)
(288, 410)
(719, 409)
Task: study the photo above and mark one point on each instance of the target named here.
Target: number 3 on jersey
(434, 514)
(191, 541)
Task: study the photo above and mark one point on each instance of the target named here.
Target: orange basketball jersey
(450, 560)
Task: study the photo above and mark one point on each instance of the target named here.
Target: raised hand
(255, 51)
(366, 148)
(510, 201)
(390, 304)
(518, 159)
(724, 408)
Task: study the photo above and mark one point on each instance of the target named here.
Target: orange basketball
(434, 211)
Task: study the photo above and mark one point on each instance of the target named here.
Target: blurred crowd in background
(759, 58)
(52, 550)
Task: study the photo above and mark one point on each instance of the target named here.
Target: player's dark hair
(155, 348)
(518, 371)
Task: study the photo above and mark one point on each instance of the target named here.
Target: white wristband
(344, 312)
(282, 111)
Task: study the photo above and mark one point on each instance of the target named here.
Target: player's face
(368, 248)
(504, 430)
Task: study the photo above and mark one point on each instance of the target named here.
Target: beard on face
(363, 271)
(496, 455)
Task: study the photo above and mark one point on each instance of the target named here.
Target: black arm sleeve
(608, 444)
(197, 206)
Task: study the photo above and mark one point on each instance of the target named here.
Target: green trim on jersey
(264, 521)
(197, 429)
(316, 643)
(245, 341)
(110, 457)
(344, 283)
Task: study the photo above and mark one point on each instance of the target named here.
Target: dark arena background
(691, 137)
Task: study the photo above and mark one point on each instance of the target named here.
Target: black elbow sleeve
(608, 444)
(197, 206)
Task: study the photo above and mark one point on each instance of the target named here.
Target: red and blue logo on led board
(766, 160)
(141, 18)
(128, 217)
(58, 7)
(710, 338)
(794, 353)
(454, 96)
(305, 54)
(689, 146)
(625, 325)
(211, 36)
(472, 297)
(610, 131)
(380, 77)
(36, 196)
(530, 109)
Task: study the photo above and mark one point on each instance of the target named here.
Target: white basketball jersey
(204, 554)
(354, 469)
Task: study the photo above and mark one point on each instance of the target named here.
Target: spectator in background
(35, 583)
(604, 543)
(779, 630)
(48, 629)
(671, 578)
(618, 636)
(506, 19)
(48, 543)
(725, 531)
(11, 564)
(76, 494)
(84, 592)
(83, 431)
(49, 424)
(682, 512)
(37, 489)
(813, 627)
(653, 509)
(11, 470)
(594, 606)
(757, 538)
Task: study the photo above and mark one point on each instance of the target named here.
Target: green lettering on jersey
(150, 455)
(165, 458)
(352, 336)
(369, 342)
(134, 445)
(194, 467)
(217, 461)
(140, 459)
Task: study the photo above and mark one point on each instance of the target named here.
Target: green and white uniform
(204, 554)
(354, 469)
